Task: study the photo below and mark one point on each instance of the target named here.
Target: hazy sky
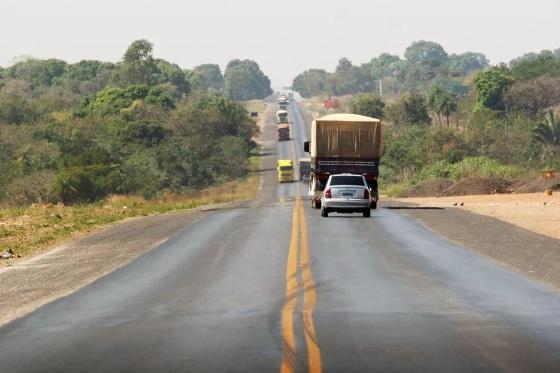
(285, 37)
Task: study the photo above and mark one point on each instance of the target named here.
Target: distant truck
(344, 143)
(304, 168)
(291, 96)
(283, 131)
(283, 103)
(285, 170)
(282, 116)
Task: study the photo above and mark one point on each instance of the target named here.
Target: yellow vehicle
(285, 170)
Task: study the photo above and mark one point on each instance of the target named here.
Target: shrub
(85, 183)
(143, 175)
(33, 188)
(483, 167)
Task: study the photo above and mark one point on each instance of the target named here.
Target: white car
(346, 193)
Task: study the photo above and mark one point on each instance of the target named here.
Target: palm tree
(434, 100)
(548, 132)
(448, 105)
(442, 102)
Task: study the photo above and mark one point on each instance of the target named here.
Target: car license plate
(347, 194)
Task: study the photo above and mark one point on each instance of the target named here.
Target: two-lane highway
(275, 287)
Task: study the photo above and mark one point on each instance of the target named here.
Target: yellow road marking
(299, 248)
(309, 299)
(288, 337)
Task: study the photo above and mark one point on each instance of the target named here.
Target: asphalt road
(275, 287)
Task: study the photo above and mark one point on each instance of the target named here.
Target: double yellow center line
(298, 264)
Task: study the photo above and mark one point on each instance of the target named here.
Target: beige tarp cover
(346, 135)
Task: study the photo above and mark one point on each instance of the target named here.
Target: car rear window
(347, 180)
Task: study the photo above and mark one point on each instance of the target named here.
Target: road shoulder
(530, 253)
(30, 284)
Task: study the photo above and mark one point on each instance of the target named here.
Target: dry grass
(31, 230)
(257, 106)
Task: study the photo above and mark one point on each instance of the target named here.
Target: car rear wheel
(324, 213)
(367, 213)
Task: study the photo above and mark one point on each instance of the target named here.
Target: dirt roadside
(517, 232)
(535, 212)
(31, 283)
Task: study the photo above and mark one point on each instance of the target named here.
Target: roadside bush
(468, 167)
(85, 183)
(483, 167)
(233, 156)
(37, 156)
(33, 188)
(437, 170)
(445, 144)
(368, 105)
(142, 175)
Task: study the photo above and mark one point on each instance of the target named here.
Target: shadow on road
(413, 208)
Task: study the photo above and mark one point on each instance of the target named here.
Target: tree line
(450, 108)
(78, 132)
(425, 64)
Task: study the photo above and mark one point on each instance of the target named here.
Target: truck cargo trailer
(344, 143)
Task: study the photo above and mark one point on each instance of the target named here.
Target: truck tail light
(366, 193)
(328, 193)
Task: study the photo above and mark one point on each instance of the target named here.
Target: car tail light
(366, 193)
(328, 193)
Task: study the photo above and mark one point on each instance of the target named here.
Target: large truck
(282, 116)
(344, 143)
(283, 131)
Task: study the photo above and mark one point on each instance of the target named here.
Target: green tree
(410, 109)
(114, 100)
(310, 82)
(466, 63)
(384, 65)
(210, 117)
(491, 86)
(368, 105)
(210, 77)
(426, 53)
(534, 66)
(37, 72)
(17, 109)
(442, 102)
(166, 72)
(86, 70)
(244, 80)
(138, 66)
(344, 65)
